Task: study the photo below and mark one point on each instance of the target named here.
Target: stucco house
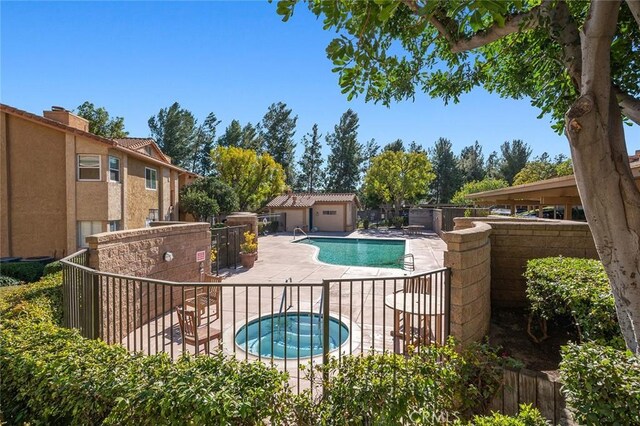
(59, 183)
(320, 212)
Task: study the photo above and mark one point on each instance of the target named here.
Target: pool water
(358, 252)
(294, 335)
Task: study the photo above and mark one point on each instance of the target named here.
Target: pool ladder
(299, 229)
(408, 262)
(283, 300)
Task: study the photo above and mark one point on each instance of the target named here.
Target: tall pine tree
(232, 135)
(445, 166)
(278, 128)
(514, 157)
(472, 163)
(311, 176)
(344, 163)
(252, 138)
(204, 141)
(173, 129)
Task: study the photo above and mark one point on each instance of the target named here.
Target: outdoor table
(420, 305)
(413, 229)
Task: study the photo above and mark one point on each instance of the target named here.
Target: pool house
(317, 212)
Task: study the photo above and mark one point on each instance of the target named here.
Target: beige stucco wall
(33, 189)
(469, 257)
(329, 223)
(4, 190)
(513, 243)
(92, 198)
(295, 217)
(139, 199)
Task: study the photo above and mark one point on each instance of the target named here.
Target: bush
(52, 268)
(365, 224)
(577, 288)
(601, 384)
(24, 271)
(52, 375)
(527, 416)
(8, 281)
(426, 388)
(398, 221)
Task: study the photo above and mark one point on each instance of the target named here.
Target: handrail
(298, 229)
(283, 300)
(411, 265)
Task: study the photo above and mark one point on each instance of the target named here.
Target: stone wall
(126, 304)
(422, 217)
(140, 252)
(468, 256)
(515, 241)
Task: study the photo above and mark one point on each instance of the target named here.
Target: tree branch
(512, 24)
(629, 105)
(634, 6)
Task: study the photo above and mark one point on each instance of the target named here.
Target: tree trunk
(607, 189)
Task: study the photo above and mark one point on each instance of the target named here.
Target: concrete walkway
(281, 259)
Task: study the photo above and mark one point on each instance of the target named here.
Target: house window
(114, 225)
(114, 169)
(86, 228)
(151, 178)
(89, 167)
(329, 212)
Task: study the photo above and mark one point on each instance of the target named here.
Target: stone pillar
(244, 218)
(468, 256)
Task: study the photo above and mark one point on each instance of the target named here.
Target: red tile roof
(134, 143)
(308, 200)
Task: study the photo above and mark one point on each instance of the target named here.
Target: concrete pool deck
(280, 259)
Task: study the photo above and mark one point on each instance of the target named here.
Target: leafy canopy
(224, 196)
(397, 176)
(486, 184)
(198, 203)
(254, 178)
(100, 123)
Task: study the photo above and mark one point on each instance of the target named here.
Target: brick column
(468, 256)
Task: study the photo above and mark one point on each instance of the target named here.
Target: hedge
(527, 416)
(52, 375)
(601, 384)
(24, 271)
(52, 268)
(577, 288)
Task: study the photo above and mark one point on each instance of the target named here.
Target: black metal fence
(286, 325)
(226, 243)
(270, 223)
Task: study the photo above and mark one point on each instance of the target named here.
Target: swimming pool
(294, 335)
(380, 253)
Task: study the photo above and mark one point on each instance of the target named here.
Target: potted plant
(248, 250)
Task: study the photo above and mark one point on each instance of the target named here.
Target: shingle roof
(308, 200)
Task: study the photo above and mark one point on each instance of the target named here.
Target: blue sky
(232, 58)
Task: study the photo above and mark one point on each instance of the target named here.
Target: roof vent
(57, 108)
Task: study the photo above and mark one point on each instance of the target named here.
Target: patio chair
(195, 334)
(421, 285)
(205, 299)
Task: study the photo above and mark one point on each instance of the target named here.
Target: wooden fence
(535, 388)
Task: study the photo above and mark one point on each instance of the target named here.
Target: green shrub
(398, 221)
(365, 224)
(527, 416)
(601, 384)
(28, 272)
(52, 375)
(8, 281)
(576, 288)
(433, 385)
(52, 268)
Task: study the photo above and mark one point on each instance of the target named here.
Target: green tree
(415, 147)
(542, 168)
(576, 61)
(487, 184)
(311, 176)
(471, 163)
(398, 177)
(203, 142)
(493, 166)
(514, 157)
(100, 123)
(198, 204)
(173, 129)
(254, 178)
(344, 162)
(396, 146)
(232, 135)
(225, 197)
(252, 137)
(278, 129)
(445, 166)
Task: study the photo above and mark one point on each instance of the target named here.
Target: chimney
(63, 116)
(294, 199)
